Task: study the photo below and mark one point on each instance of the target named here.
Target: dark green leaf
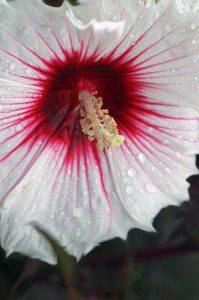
(73, 2)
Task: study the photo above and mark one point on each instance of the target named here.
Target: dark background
(151, 266)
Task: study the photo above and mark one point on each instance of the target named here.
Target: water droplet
(157, 14)
(77, 234)
(125, 179)
(77, 213)
(85, 193)
(129, 189)
(150, 188)
(142, 157)
(193, 26)
(166, 142)
(179, 137)
(28, 71)
(148, 4)
(12, 66)
(132, 172)
(194, 42)
(178, 154)
(68, 172)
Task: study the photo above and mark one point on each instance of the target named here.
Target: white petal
(138, 177)
(150, 171)
(72, 207)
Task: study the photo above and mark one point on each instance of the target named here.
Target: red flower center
(57, 107)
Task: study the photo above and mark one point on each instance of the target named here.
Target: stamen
(96, 122)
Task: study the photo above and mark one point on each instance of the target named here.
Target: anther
(96, 122)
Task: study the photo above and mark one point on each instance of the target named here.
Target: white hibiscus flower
(98, 119)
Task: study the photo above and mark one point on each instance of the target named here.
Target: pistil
(96, 122)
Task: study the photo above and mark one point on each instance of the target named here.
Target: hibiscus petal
(149, 171)
(52, 201)
(78, 195)
(69, 204)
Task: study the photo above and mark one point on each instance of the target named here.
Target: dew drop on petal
(166, 142)
(150, 188)
(12, 66)
(28, 71)
(78, 233)
(142, 157)
(148, 4)
(78, 212)
(125, 179)
(129, 189)
(132, 172)
(85, 193)
(178, 154)
(193, 26)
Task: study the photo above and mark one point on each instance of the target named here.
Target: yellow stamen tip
(117, 141)
(96, 122)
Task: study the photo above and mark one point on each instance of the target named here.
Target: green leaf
(65, 262)
(73, 2)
